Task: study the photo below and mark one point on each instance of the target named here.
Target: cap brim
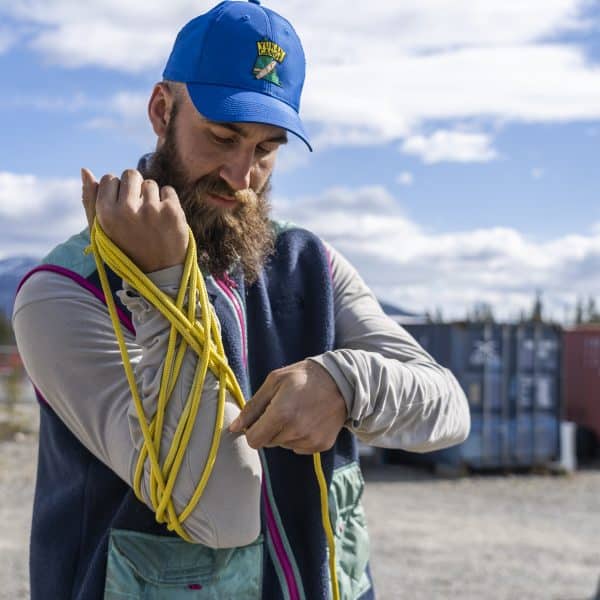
(232, 105)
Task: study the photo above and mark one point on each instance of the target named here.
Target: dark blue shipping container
(495, 442)
(511, 377)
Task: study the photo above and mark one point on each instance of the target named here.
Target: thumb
(253, 409)
(89, 191)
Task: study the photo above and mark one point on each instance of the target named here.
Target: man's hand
(298, 407)
(145, 222)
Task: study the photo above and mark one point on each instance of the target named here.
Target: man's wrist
(167, 277)
(328, 363)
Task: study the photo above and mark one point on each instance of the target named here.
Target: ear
(159, 108)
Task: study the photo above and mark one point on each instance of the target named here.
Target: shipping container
(511, 376)
(582, 379)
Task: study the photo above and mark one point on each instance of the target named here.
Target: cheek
(198, 157)
(261, 172)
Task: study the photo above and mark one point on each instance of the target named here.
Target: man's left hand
(298, 407)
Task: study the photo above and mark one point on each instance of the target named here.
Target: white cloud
(374, 75)
(7, 39)
(420, 269)
(508, 83)
(402, 261)
(37, 213)
(450, 146)
(131, 35)
(293, 155)
(425, 25)
(127, 36)
(109, 45)
(405, 178)
(125, 112)
(74, 103)
(537, 173)
(347, 133)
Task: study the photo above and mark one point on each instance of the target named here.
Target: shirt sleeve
(396, 394)
(69, 348)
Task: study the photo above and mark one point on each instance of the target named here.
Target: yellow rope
(327, 524)
(202, 336)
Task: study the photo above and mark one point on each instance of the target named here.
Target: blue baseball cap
(241, 62)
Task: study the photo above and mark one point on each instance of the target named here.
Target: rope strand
(202, 337)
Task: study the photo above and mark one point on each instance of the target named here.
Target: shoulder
(43, 285)
(291, 237)
(296, 246)
(288, 229)
(61, 274)
(72, 255)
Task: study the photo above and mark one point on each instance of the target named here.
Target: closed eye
(223, 140)
(264, 150)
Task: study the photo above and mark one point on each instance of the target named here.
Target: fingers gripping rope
(201, 334)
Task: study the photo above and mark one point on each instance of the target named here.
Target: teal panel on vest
(71, 255)
(350, 531)
(154, 567)
(281, 226)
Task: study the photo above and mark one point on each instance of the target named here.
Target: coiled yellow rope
(203, 337)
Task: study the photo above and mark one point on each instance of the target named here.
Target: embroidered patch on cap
(270, 55)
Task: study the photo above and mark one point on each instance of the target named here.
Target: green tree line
(586, 312)
(7, 336)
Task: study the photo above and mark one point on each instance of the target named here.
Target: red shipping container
(582, 377)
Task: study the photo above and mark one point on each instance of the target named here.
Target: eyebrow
(279, 139)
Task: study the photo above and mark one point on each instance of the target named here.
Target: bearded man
(317, 360)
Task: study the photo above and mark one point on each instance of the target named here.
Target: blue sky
(456, 142)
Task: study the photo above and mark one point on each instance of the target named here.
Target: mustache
(240, 238)
(211, 184)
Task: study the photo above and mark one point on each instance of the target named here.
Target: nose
(237, 170)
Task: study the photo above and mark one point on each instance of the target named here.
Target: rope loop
(201, 334)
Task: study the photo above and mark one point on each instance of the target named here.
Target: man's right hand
(146, 222)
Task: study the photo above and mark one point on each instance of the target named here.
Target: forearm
(227, 523)
(70, 352)
(395, 392)
(416, 406)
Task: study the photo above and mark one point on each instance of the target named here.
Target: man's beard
(242, 236)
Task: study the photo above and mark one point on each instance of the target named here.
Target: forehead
(251, 131)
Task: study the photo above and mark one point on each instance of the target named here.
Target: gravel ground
(18, 455)
(495, 537)
(501, 537)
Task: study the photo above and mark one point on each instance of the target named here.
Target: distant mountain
(12, 271)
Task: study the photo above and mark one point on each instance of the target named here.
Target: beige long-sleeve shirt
(395, 393)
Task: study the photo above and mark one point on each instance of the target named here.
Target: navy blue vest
(78, 500)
